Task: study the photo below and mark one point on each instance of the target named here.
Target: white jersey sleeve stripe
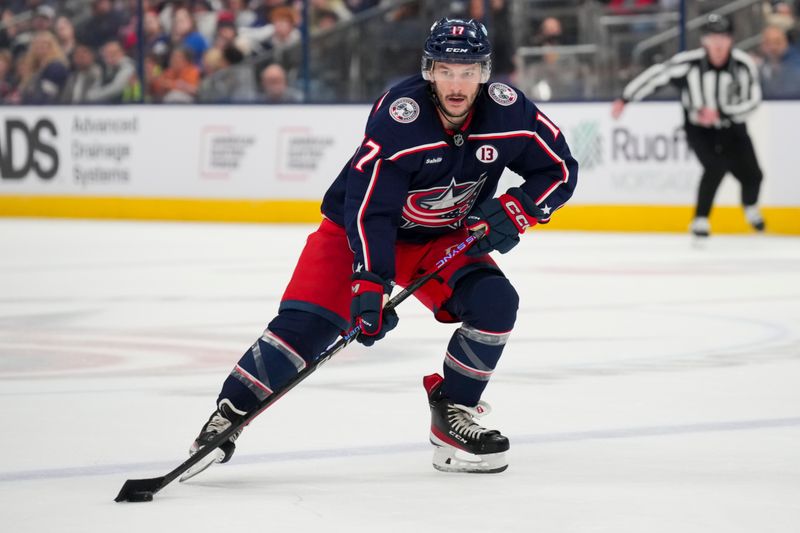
(541, 118)
(362, 235)
(380, 102)
(555, 157)
(415, 149)
(502, 135)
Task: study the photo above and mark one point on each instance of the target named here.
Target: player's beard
(454, 116)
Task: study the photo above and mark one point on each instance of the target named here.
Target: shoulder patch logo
(502, 94)
(404, 110)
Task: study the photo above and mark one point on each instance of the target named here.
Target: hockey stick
(142, 490)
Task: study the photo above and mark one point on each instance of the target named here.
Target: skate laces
(221, 419)
(461, 418)
(217, 423)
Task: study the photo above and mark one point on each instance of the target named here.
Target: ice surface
(650, 386)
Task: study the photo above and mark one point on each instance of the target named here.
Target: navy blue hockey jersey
(411, 178)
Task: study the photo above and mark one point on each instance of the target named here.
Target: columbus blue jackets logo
(440, 207)
(404, 110)
(502, 94)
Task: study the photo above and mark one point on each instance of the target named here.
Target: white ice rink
(649, 387)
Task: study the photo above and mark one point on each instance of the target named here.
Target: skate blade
(214, 457)
(699, 242)
(448, 459)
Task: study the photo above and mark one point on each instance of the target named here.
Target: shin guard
(290, 341)
(487, 303)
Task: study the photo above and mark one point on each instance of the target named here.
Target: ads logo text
(28, 149)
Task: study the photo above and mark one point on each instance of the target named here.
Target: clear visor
(450, 72)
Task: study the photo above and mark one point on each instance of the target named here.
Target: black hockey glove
(370, 294)
(503, 219)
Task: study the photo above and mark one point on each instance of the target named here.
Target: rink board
(274, 163)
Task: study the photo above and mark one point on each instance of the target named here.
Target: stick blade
(139, 490)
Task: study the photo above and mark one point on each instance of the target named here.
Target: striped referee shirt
(733, 90)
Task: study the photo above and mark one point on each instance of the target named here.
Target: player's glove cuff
(502, 219)
(370, 293)
(519, 208)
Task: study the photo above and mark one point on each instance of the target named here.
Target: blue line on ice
(158, 468)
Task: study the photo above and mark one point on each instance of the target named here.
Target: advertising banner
(294, 152)
(178, 152)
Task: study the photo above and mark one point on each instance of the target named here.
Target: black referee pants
(721, 151)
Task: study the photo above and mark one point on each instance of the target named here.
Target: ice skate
(700, 227)
(219, 421)
(754, 218)
(461, 444)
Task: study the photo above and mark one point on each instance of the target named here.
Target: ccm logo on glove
(515, 212)
(503, 219)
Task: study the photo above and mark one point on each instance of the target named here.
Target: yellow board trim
(724, 219)
(780, 220)
(161, 209)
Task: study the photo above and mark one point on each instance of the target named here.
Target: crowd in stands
(778, 57)
(87, 51)
(57, 51)
(559, 75)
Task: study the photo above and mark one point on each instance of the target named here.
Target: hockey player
(423, 177)
(719, 90)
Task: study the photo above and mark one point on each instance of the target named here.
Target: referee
(719, 88)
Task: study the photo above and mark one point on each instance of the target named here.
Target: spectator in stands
(326, 20)
(552, 75)
(86, 74)
(19, 33)
(264, 10)
(43, 18)
(205, 19)
(179, 83)
(226, 33)
(240, 13)
(780, 65)
(185, 35)
(549, 34)
(20, 73)
(231, 81)
(498, 17)
(284, 23)
(280, 34)
(322, 8)
(211, 63)
(152, 70)
(128, 32)
(65, 33)
(275, 87)
(102, 26)
(8, 29)
(45, 71)
(156, 41)
(779, 13)
(119, 76)
(7, 83)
